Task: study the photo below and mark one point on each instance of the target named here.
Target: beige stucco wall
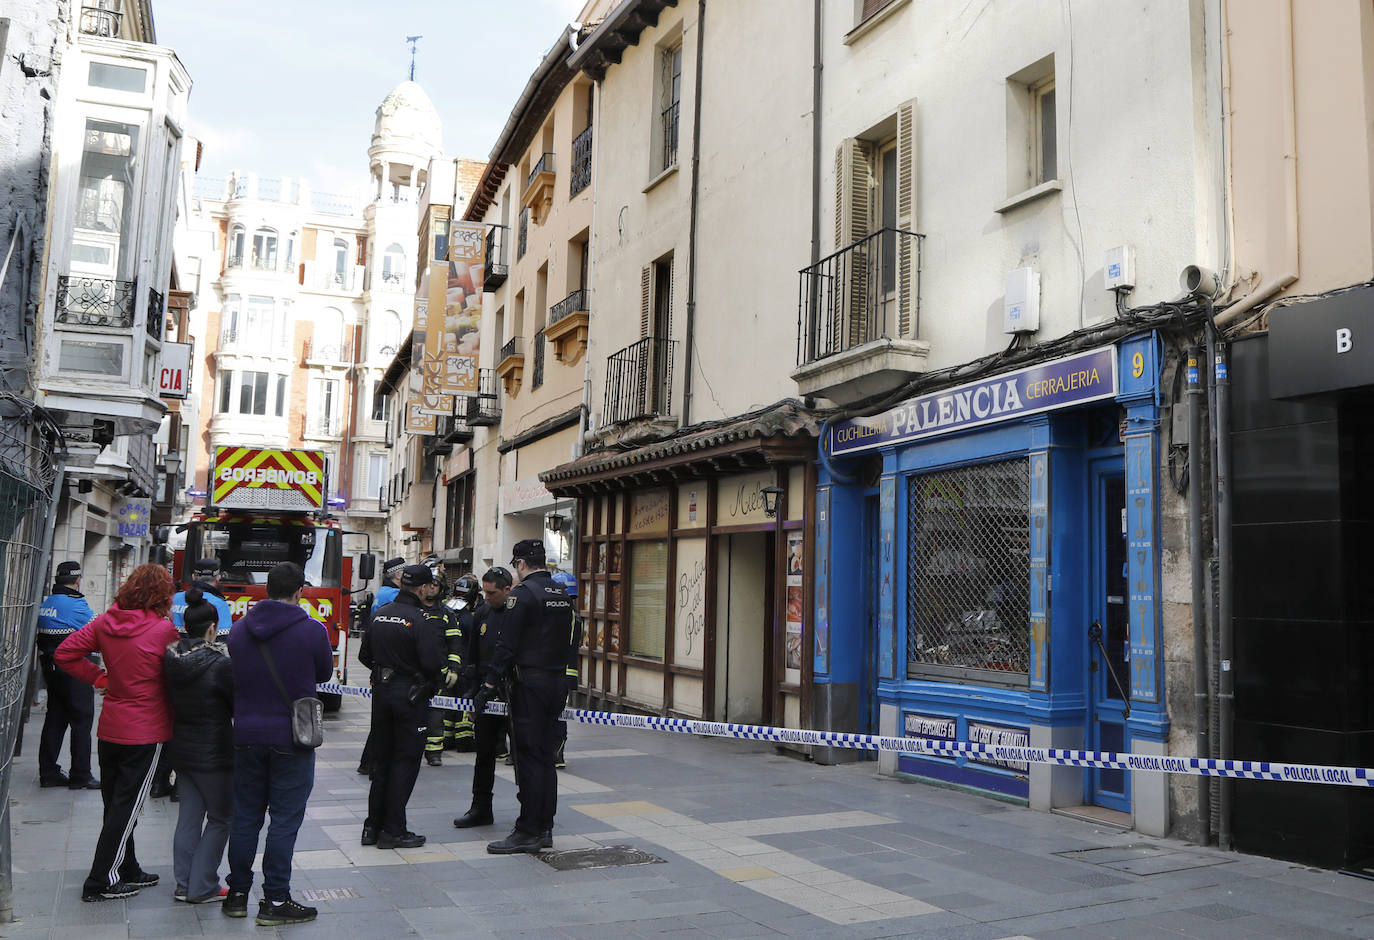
(1321, 103)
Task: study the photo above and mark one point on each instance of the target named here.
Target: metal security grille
(968, 572)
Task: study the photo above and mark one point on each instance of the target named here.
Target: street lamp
(771, 495)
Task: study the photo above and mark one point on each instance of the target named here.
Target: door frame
(1099, 701)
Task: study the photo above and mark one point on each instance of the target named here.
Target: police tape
(1000, 753)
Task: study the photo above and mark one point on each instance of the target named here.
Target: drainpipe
(816, 135)
(584, 421)
(1201, 690)
(1226, 690)
(692, 228)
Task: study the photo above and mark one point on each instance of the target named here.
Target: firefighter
(535, 648)
(405, 655)
(448, 624)
(458, 725)
(489, 730)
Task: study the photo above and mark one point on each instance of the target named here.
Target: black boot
(516, 843)
(478, 814)
(434, 758)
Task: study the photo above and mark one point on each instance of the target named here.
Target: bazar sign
(1073, 380)
(133, 519)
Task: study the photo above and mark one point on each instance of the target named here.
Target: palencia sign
(1073, 380)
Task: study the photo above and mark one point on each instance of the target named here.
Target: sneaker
(434, 758)
(140, 879)
(407, 840)
(120, 889)
(280, 913)
(235, 904)
(180, 894)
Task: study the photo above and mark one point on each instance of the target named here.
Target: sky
(290, 88)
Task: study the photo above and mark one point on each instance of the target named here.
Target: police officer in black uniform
(405, 654)
(535, 647)
(489, 730)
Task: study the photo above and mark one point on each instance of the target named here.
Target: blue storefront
(988, 570)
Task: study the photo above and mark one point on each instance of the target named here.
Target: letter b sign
(1343, 340)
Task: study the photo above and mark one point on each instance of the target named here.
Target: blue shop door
(1108, 637)
(872, 577)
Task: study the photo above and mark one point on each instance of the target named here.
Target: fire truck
(264, 507)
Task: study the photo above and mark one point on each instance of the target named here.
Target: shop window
(648, 598)
(968, 573)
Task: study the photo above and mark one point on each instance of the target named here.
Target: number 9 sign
(1137, 365)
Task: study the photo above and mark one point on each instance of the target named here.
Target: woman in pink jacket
(131, 638)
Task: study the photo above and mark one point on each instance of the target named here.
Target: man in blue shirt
(391, 581)
(207, 579)
(71, 702)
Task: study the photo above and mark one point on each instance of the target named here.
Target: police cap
(529, 551)
(207, 566)
(69, 569)
(391, 564)
(416, 576)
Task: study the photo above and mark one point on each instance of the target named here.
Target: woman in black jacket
(200, 686)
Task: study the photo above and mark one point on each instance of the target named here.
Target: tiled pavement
(753, 843)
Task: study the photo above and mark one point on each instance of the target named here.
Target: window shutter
(646, 299)
(908, 248)
(853, 200)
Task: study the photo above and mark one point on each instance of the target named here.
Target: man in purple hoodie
(271, 774)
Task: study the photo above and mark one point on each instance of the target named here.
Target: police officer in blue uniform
(535, 648)
(71, 702)
(207, 579)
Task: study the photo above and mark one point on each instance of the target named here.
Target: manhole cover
(608, 856)
(329, 894)
(1143, 858)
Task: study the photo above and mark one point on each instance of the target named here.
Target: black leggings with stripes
(126, 773)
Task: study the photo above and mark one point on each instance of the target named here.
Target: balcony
(95, 301)
(393, 280)
(484, 410)
(510, 365)
(858, 319)
(567, 329)
(639, 381)
(324, 426)
(318, 277)
(494, 267)
(233, 261)
(538, 195)
(328, 355)
(99, 21)
(669, 123)
(537, 374)
(268, 263)
(454, 429)
(581, 163)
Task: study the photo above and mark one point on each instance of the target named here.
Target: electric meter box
(1021, 313)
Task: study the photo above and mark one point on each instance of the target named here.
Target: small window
(236, 239)
(253, 393)
(1032, 130)
(281, 395)
(340, 259)
(1047, 165)
(226, 386)
(265, 249)
(648, 598)
(670, 99)
(394, 265)
(440, 240)
(96, 358)
(117, 77)
(379, 402)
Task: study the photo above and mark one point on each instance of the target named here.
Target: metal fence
(968, 572)
(31, 465)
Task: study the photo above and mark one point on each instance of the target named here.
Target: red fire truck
(264, 507)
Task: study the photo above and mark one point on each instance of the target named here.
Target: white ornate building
(301, 301)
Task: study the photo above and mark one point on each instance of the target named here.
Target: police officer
(448, 623)
(206, 578)
(489, 730)
(391, 579)
(535, 646)
(71, 702)
(405, 655)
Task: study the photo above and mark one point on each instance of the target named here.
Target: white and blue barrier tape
(1194, 766)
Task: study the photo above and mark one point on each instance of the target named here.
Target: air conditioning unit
(1021, 310)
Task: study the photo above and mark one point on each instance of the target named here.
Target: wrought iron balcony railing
(522, 239)
(639, 381)
(865, 292)
(95, 301)
(234, 261)
(669, 121)
(581, 162)
(328, 352)
(495, 270)
(537, 375)
(394, 278)
(156, 311)
(98, 21)
(485, 409)
(545, 165)
(572, 303)
(512, 348)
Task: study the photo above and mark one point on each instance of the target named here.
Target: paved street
(745, 842)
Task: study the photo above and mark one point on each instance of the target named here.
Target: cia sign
(174, 371)
(1316, 347)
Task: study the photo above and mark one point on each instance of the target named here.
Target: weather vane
(413, 40)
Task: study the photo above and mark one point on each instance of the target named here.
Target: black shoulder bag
(307, 714)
